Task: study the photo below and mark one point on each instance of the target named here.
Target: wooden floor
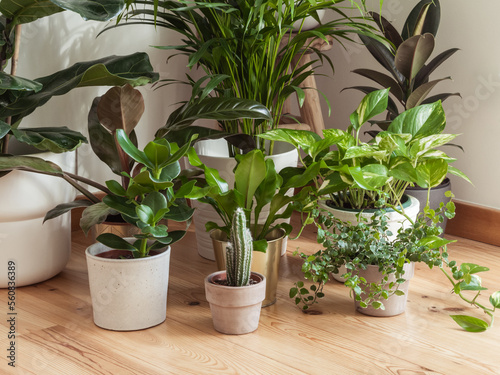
(56, 334)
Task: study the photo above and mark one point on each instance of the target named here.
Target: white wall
(475, 71)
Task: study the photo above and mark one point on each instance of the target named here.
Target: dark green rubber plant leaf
(417, 97)
(55, 140)
(413, 53)
(442, 97)
(424, 73)
(111, 71)
(424, 18)
(387, 29)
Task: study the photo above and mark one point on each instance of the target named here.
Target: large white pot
(39, 250)
(128, 294)
(214, 154)
(394, 219)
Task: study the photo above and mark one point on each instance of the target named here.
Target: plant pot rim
(407, 203)
(90, 253)
(292, 150)
(254, 275)
(444, 184)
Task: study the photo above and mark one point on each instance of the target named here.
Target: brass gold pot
(267, 263)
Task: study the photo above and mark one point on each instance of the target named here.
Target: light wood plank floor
(56, 334)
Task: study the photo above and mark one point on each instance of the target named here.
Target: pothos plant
(366, 243)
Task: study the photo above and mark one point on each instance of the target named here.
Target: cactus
(239, 251)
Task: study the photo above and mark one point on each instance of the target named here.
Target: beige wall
(475, 72)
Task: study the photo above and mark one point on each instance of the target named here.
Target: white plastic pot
(39, 250)
(128, 294)
(214, 154)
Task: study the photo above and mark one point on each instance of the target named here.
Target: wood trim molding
(476, 223)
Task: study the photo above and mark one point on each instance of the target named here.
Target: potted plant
(252, 49)
(236, 294)
(407, 59)
(378, 270)
(268, 201)
(128, 277)
(26, 197)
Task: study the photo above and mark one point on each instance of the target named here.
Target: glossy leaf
(15, 83)
(426, 144)
(113, 241)
(30, 163)
(472, 268)
(424, 18)
(55, 140)
(120, 204)
(383, 80)
(102, 10)
(495, 299)
(413, 53)
(120, 108)
(457, 172)
(425, 72)
(95, 214)
(418, 96)
(372, 105)
(431, 173)
(470, 323)
(113, 70)
(472, 282)
(61, 209)
(131, 150)
(4, 129)
(223, 109)
(248, 175)
(303, 139)
(387, 29)
(423, 120)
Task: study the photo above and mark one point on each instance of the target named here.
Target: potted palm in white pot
(236, 294)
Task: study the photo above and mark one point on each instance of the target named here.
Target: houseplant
(364, 245)
(251, 47)
(26, 197)
(267, 200)
(407, 60)
(141, 263)
(236, 295)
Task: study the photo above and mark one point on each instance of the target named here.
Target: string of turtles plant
(357, 246)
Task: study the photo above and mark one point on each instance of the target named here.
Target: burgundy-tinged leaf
(425, 72)
(413, 53)
(386, 27)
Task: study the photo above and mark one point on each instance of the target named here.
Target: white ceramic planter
(235, 310)
(309, 22)
(214, 154)
(394, 305)
(394, 220)
(40, 250)
(128, 294)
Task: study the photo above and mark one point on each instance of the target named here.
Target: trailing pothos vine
(367, 243)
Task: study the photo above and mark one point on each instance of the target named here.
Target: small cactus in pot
(239, 251)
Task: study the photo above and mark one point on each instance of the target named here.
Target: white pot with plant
(235, 295)
(128, 278)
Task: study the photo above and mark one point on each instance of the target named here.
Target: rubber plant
(20, 96)
(406, 57)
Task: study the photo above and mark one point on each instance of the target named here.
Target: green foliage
(148, 200)
(373, 174)
(239, 251)
(366, 243)
(257, 184)
(406, 58)
(252, 44)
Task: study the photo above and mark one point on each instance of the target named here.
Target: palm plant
(406, 59)
(250, 47)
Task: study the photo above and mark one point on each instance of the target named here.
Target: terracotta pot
(267, 264)
(128, 294)
(394, 305)
(235, 310)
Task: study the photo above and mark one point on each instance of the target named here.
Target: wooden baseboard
(475, 222)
